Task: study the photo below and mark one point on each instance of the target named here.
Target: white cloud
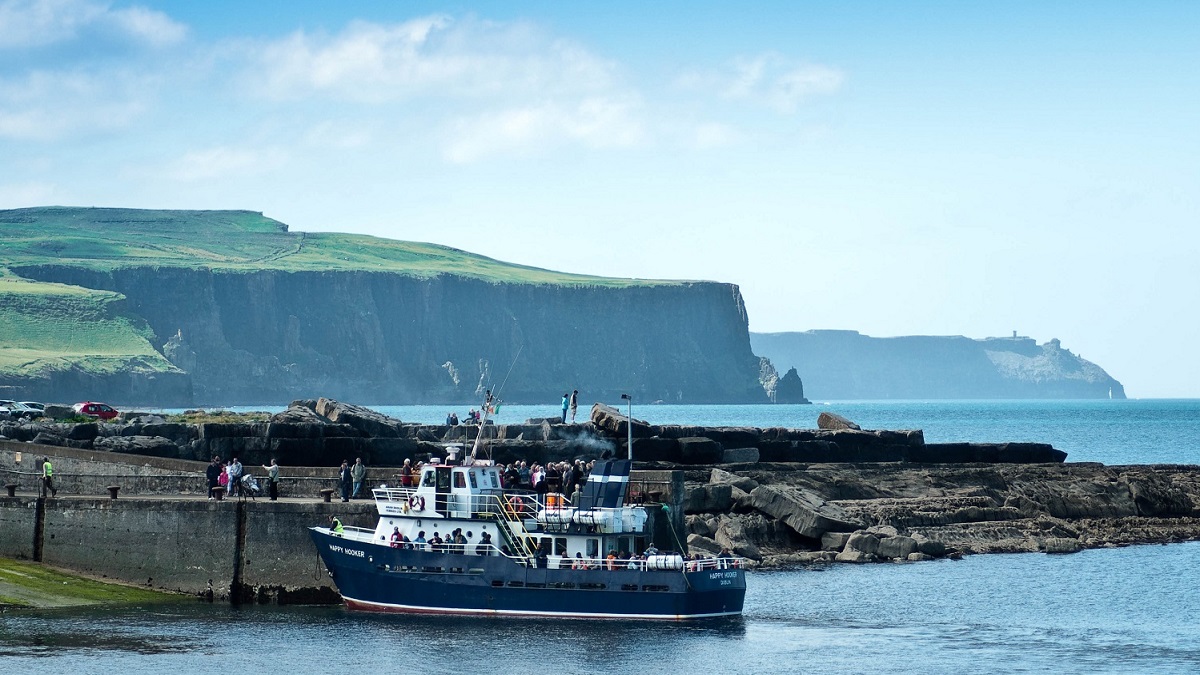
(369, 62)
(226, 162)
(595, 122)
(35, 23)
(46, 106)
(767, 79)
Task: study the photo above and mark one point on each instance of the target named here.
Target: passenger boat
(526, 554)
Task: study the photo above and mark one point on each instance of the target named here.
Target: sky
(916, 168)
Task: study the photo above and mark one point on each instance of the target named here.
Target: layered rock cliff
(269, 329)
(838, 364)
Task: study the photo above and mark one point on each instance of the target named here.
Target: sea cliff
(846, 365)
(233, 308)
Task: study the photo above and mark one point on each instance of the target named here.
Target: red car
(98, 410)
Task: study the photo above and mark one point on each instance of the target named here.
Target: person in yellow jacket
(48, 478)
(335, 526)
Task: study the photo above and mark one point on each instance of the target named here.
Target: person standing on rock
(574, 404)
(566, 402)
(273, 479)
(213, 473)
(358, 472)
(345, 479)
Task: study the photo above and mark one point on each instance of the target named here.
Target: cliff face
(848, 365)
(272, 336)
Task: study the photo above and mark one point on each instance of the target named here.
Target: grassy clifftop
(106, 239)
(47, 327)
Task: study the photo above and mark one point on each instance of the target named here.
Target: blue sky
(938, 168)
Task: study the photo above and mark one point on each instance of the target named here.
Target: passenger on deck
(406, 474)
(484, 547)
(435, 543)
(335, 526)
(523, 472)
(460, 542)
(612, 559)
(512, 477)
(578, 563)
(397, 538)
(420, 541)
(542, 556)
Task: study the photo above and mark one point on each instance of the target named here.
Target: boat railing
(354, 533)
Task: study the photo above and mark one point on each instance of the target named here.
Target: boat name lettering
(722, 575)
(347, 551)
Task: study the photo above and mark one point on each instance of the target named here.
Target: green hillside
(107, 239)
(48, 327)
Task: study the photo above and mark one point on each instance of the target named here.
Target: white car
(18, 410)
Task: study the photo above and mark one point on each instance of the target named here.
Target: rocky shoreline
(778, 497)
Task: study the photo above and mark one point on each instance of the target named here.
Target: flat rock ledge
(787, 515)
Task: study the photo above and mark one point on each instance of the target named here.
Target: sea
(1121, 610)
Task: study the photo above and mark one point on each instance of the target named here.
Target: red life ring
(416, 503)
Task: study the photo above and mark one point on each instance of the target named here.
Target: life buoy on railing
(416, 503)
(515, 503)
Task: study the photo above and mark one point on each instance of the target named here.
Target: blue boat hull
(377, 578)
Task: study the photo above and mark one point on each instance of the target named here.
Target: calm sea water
(1129, 610)
(1126, 610)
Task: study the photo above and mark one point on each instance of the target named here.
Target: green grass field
(106, 239)
(46, 327)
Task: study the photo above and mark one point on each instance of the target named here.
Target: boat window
(560, 546)
(428, 480)
(459, 480)
(495, 478)
(474, 481)
(593, 548)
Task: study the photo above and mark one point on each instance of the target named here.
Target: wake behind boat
(511, 552)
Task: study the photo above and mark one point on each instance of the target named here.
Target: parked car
(40, 407)
(98, 410)
(15, 410)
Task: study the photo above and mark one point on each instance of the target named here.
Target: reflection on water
(1120, 610)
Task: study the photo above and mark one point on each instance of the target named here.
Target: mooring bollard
(112, 491)
(327, 495)
(219, 492)
(12, 489)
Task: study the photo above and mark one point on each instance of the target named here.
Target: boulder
(656, 449)
(697, 525)
(613, 422)
(703, 544)
(1061, 545)
(919, 557)
(740, 456)
(708, 498)
(863, 542)
(743, 483)
(44, 438)
(733, 535)
(898, 546)
(834, 541)
(833, 421)
(150, 446)
(365, 420)
(854, 556)
(299, 414)
(82, 432)
(58, 412)
(803, 511)
(697, 450)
